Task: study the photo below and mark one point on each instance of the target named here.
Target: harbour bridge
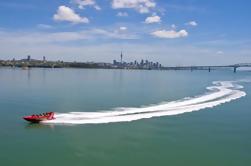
(210, 67)
(240, 65)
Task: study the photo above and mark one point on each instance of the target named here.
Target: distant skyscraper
(44, 59)
(142, 62)
(28, 58)
(121, 57)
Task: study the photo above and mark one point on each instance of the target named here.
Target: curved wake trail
(221, 92)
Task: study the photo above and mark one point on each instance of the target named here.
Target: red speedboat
(40, 117)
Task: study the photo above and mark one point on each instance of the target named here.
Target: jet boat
(40, 117)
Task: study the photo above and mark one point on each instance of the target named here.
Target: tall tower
(121, 57)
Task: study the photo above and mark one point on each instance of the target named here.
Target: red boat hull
(39, 118)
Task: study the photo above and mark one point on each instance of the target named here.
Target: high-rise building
(146, 62)
(44, 59)
(121, 57)
(142, 62)
(28, 58)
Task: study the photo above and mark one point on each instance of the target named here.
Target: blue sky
(174, 32)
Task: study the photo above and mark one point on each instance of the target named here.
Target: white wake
(221, 92)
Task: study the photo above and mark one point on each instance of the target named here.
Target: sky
(172, 32)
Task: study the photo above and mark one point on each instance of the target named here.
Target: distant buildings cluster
(29, 62)
(143, 64)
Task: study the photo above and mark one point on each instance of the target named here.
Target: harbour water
(125, 117)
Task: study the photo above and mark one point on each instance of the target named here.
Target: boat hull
(39, 118)
(33, 120)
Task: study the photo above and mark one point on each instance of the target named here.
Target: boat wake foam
(221, 92)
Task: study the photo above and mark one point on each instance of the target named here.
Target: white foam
(221, 92)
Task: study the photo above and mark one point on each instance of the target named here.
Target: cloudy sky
(174, 32)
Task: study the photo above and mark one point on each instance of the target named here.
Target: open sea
(125, 117)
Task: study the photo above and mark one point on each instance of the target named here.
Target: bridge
(210, 67)
(241, 65)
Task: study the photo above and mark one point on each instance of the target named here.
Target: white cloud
(44, 26)
(142, 6)
(83, 3)
(113, 34)
(97, 7)
(65, 13)
(219, 52)
(29, 38)
(192, 23)
(40, 38)
(170, 34)
(122, 14)
(173, 26)
(122, 28)
(152, 19)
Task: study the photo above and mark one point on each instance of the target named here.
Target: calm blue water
(212, 136)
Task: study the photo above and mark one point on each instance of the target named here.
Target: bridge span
(210, 67)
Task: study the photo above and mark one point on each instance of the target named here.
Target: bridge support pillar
(235, 69)
(209, 69)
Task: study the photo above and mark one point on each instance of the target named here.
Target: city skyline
(171, 32)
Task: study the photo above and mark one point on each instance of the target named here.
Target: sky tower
(121, 57)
